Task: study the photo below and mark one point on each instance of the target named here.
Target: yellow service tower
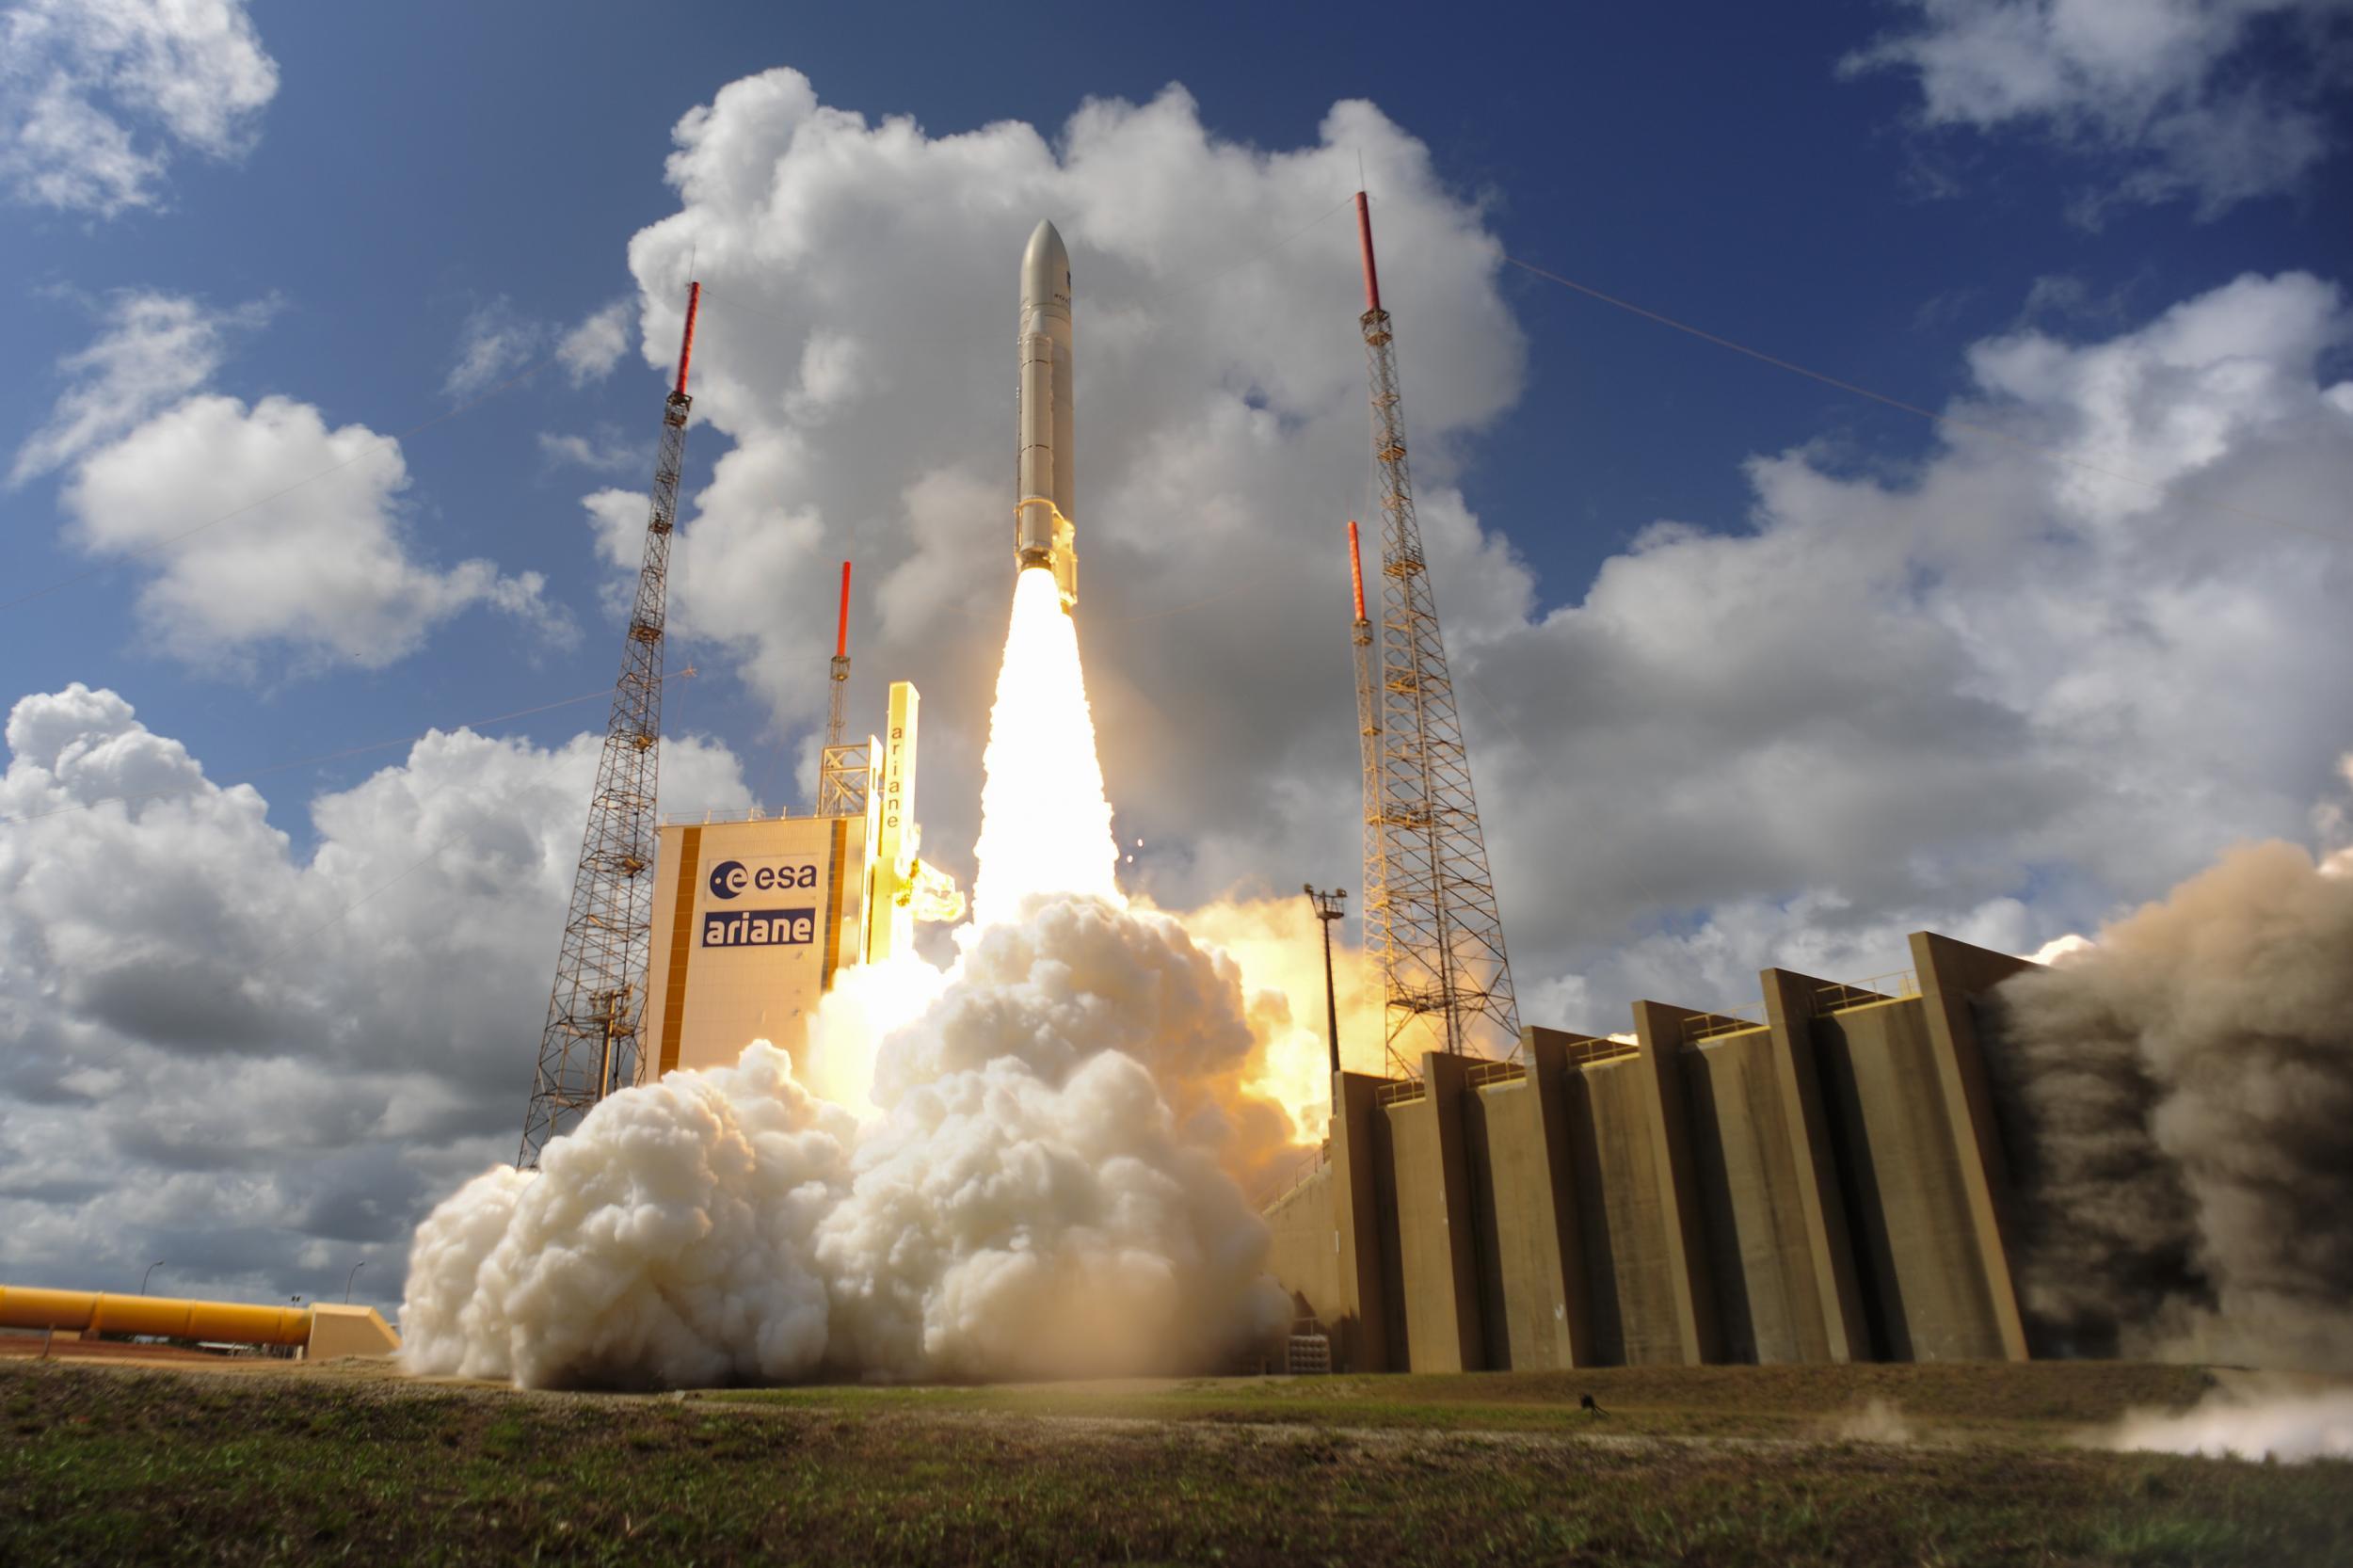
(754, 917)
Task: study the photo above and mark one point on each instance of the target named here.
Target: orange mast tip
(686, 344)
(1355, 569)
(841, 628)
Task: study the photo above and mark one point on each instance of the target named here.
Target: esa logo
(730, 878)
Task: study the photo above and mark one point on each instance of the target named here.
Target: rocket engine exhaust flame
(1046, 827)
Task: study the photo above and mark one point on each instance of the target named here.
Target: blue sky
(1759, 670)
(416, 165)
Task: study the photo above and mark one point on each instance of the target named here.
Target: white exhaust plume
(2246, 1419)
(2174, 1102)
(1004, 1225)
(669, 1240)
(1038, 1185)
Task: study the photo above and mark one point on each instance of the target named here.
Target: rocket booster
(1043, 534)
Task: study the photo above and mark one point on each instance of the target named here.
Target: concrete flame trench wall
(1825, 1186)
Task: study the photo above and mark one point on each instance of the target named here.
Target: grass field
(1721, 1465)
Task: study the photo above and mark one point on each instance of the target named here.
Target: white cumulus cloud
(493, 344)
(257, 1063)
(856, 347)
(2213, 100)
(593, 346)
(310, 554)
(97, 96)
(606, 453)
(1996, 697)
(155, 349)
(258, 526)
(498, 340)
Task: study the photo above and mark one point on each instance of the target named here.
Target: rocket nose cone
(1045, 268)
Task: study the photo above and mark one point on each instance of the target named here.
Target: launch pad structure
(1823, 1179)
(754, 915)
(841, 886)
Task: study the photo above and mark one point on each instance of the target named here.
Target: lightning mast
(590, 1045)
(1433, 936)
(843, 771)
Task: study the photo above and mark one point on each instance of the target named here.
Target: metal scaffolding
(1369, 746)
(590, 1047)
(844, 772)
(1433, 939)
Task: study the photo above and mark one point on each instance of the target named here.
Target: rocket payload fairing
(1043, 534)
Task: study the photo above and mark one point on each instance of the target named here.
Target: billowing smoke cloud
(670, 1240)
(1042, 1189)
(2175, 1099)
(1040, 1194)
(2246, 1418)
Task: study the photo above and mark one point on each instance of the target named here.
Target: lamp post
(150, 1274)
(1327, 910)
(349, 1277)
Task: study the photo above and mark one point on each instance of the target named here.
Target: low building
(752, 920)
(1821, 1182)
(754, 915)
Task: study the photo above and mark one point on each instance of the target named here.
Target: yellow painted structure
(891, 806)
(754, 917)
(337, 1329)
(325, 1330)
(751, 918)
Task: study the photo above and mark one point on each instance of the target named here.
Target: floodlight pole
(150, 1274)
(1327, 910)
(349, 1277)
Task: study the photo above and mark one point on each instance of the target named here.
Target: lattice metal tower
(843, 771)
(1369, 746)
(1433, 935)
(590, 1047)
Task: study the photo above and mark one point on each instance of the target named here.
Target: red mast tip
(686, 344)
(841, 628)
(1355, 569)
(1364, 236)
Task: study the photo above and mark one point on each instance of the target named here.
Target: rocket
(1043, 534)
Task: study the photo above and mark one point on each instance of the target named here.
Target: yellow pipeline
(96, 1312)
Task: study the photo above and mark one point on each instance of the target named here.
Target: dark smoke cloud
(2177, 1104)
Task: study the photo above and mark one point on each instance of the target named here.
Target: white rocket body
(1043, 534)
